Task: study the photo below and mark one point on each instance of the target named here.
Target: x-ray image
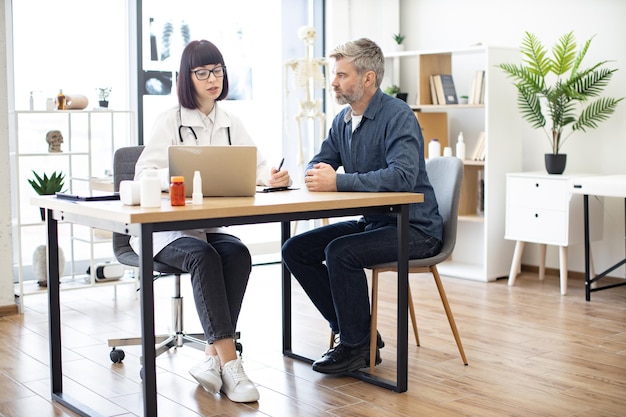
(157, 83)
(167, 37)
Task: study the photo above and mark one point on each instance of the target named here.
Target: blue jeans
(329, 263)
(219, 269)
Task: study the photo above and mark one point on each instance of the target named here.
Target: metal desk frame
(56, 212)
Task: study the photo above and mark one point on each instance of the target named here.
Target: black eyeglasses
(204, 74)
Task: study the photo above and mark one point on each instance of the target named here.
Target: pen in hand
(282, 161)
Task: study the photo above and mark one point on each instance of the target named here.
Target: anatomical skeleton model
(308, 76)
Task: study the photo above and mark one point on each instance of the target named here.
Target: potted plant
(47, 185)
(103, 96)
(399, 38)
(394, 90)
(554, 92)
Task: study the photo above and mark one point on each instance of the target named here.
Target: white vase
(40, 264)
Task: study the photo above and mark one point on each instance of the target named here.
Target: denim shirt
(384, 154)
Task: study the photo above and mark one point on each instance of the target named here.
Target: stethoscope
(180, 133)
(193, 132)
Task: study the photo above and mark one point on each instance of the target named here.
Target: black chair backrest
(124, 160)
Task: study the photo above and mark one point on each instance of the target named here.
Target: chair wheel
(117, 355)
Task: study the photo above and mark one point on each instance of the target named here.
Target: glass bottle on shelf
(61, 102)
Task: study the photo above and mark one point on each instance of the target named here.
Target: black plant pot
(402, 96)
(103, 103)
(555, 163)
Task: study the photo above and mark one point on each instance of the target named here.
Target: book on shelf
(433, 90)
(441, 97)
(477, 90)
(449, 92)
(479, 149)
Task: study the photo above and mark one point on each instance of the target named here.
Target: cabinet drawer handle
(536, 215)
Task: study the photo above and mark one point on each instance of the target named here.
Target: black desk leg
(403, 300)
(285, 230)
(147, 323)
(54, 321)
(54, 306)
(587, 248)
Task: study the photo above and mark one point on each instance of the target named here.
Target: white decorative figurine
(54, 139)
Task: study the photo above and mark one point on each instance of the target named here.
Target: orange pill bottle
(177, 191)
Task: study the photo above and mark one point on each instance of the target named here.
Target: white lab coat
(165, 132)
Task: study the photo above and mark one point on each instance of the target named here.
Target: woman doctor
(219, 263)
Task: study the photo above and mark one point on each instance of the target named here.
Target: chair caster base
(117, 355)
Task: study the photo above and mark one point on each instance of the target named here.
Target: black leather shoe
(380, 343)
(342, 359)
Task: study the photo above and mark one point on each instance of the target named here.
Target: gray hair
(366, 56)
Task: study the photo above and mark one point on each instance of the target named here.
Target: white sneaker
(208, 374)
(236, 385)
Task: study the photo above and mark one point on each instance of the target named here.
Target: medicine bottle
(177, 191)
(434, 149)
(61, 103)
(460, 147)
(150, 194)
(196, 196)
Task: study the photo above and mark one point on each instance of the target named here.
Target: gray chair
(124, 161)
(446, 175)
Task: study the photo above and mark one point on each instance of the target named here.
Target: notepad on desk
(89, 196)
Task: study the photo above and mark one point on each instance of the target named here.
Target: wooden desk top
(293, 201)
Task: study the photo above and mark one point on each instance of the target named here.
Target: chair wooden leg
(446, 307)
(373, 321)
(413, 319)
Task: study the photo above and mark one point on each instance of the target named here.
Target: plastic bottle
(150, 195)
(61, 105)
(196, 195)
(177, 191)
(434, 149)
(460, 147)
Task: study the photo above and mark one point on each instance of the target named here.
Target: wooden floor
(531, 352)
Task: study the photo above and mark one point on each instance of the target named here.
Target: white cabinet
(481, 252)
(86, 159)
(540, 209)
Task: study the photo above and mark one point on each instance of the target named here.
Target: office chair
(124, 161)
(446, 175)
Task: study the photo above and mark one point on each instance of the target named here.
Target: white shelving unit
(481, 251)
(90, 139)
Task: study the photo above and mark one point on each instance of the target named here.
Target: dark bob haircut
(197, 54)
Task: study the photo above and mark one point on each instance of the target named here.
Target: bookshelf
(481, 252)
(86, 158)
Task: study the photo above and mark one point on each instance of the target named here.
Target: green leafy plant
(103, 93)
(399, 38)
(392, 90)
(48, 185)
(564, 101)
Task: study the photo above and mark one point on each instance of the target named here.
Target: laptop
(226, 171)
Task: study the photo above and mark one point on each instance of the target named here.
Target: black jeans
(328, 262)
(219, 269)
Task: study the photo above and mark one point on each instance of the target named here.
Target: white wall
(493, 22)
(6, 243)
